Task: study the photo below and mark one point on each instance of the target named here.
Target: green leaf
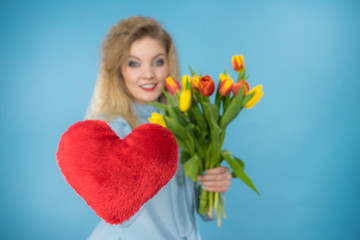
(169, 97)
(242, 164)
(233, 109)
(184, 156)
(241, 74)
(226, 102)
(247, 98)
(222, 138)
(218, 96)
(192, 71)
(180, 117)
(211, 113)
(181, 134)
(198, 117)
(160, 106)
(192, 167)
(182, 144)
(212, 116)
(238, 169)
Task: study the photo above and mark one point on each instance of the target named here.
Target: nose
(148, 72)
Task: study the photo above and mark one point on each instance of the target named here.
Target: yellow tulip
(195, 82)
(157, 118)
(184, 80)
(222, 77)
(185, 100)
(258, 93)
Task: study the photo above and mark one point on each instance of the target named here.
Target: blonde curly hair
(111, 97)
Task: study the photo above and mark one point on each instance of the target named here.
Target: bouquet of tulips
(199, 126)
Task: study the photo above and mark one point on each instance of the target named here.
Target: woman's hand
(216, 179)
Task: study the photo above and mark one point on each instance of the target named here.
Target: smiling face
(145, 70)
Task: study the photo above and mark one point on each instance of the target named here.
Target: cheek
(130, 76)
(163, 73)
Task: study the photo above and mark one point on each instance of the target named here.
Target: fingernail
(202, 186)
(199, 182)
(204, 172)
(199, 178)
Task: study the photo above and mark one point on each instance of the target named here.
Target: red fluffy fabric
(117, 176)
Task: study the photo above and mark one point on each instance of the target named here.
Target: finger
(217, 183)
(216, 187)
(216, 178)
(217, 170)
(209, 177)
(211, 173)
(216, 190)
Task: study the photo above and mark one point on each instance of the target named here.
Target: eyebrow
(158, 55)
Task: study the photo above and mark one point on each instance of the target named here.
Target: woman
(137, 57)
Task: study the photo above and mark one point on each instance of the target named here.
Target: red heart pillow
(117, 176)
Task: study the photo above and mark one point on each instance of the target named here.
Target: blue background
(300, 143)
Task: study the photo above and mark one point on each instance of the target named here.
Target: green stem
(211, 203)
(222, 207)
(216, 206)
(203, 202)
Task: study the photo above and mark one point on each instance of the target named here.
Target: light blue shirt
(170, 214)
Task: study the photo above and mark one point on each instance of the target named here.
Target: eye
(159, 62)
(133, 64)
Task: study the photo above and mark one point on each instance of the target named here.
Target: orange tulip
(238, 86)
(172, 85)
(226, 86)
(206, 86)
(238, 62)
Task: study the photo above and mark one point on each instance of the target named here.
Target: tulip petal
(185, 80)
(256, 97)
(195, 82)
(172, 85)
(206, 86)
(157, 118)
(238, 62)
(226, 86)
(185, 100)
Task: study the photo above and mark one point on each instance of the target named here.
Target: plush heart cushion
(117, 176)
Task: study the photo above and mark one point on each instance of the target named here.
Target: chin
(147, 101)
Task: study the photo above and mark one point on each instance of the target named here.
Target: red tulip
(206, 86)
(172, 85)
(238, 86)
